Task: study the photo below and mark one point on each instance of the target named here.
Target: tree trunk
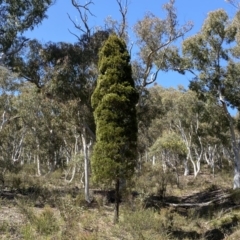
(38, 166)
(236, 178)
(86, 166)
(139, 165)
(117, 202)
(154, 160)
(81, 180)
(186, 167)
(73, 173)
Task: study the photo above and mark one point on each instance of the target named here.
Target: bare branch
(75, 35)
(77, 26)
(83, 11)
(234, 3)
(119, 27)
(123, 8)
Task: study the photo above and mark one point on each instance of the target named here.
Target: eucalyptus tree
(156, 52)
(149, 124)
(73, 79)
(181, 115)
(155, 39)
(198, 125)
(171, 150)
(11, 130)
(66, 74)
(114, 102)
(44, 127)
(16, 17)
(8, 85)
(212, 56)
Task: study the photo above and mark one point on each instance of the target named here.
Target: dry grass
(48, 208)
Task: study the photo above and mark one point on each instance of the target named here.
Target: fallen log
(198, 204)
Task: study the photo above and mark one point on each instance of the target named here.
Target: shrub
(46, 223)
(27, 232)
(154, 181)
(144, 224)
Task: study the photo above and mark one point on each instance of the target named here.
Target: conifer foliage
(114, 101)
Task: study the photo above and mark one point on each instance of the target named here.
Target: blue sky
(56, 27)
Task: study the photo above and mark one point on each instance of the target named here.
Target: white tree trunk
(81, 180)
(38, 160)
(71, 156)
(139, 165)
(17, 148)
(73, 173)
(236, 178)
(187, 139)
(186, 167)
(164, 165)
(86, 164)
(154, 160)
(209, 157)
(38, 166)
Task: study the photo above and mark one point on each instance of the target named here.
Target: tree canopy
(17, 16)
(114, 101)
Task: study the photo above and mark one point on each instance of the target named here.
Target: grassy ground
(48, 208)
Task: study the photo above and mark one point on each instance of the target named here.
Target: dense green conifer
(114, 101)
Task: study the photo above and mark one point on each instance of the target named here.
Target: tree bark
(117, 202)
(86, 166)
(38, 166)
(186, 167)
(38, 160)
(236, 178)
(154, 160)
(73, 173)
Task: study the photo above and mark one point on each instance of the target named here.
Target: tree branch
(83, 16)
(123, 10)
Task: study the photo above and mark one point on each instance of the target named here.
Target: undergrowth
(50, 208)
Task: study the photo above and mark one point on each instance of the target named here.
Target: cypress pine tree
(114, 101)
